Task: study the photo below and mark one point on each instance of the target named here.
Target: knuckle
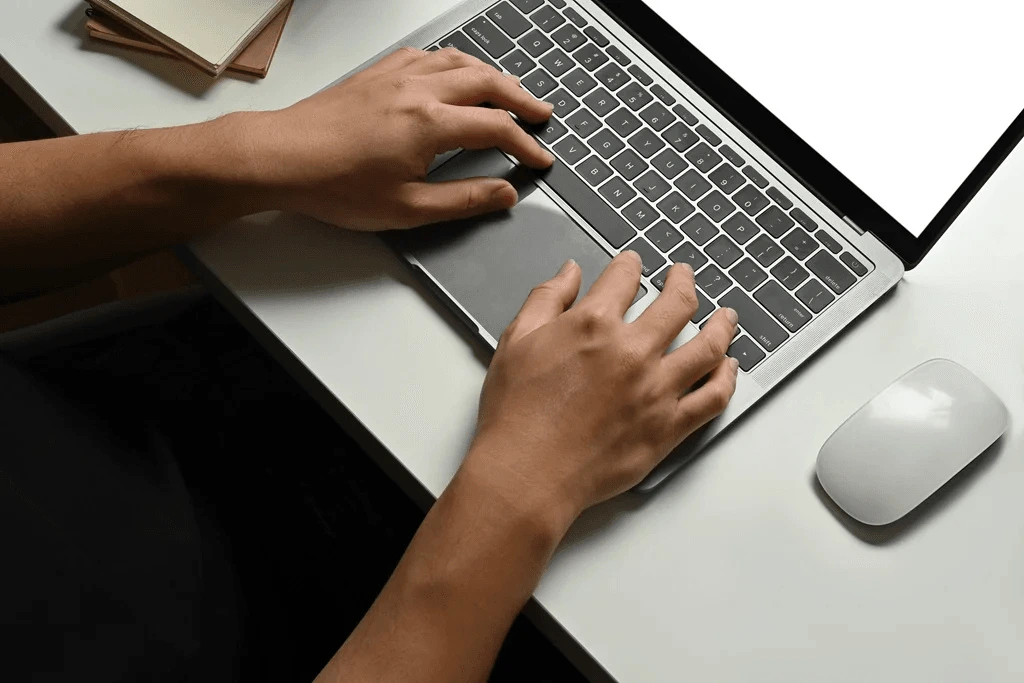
(592, 319)
(687, 296)
(409, 52)
(451, 55)
(404, 82)
(720, 395)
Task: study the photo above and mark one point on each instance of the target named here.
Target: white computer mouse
(908, 441)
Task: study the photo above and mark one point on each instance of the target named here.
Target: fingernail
(550, 157)
(687, 267)
(506, 194)
(732, 315)
(634, 255)
(566, 267)
(735, 364)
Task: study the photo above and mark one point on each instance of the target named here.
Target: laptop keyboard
(649, 174)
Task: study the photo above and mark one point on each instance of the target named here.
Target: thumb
(455, 199)
(546, 302)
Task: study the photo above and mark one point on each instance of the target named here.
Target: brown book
(254, 59)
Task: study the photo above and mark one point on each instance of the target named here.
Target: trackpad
(490, 264)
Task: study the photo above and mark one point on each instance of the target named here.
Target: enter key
(784, 307)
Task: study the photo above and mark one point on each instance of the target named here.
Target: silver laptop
(798, 155)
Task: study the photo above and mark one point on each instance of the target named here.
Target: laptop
(799, 155)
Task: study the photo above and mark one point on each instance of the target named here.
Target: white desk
(735, 571)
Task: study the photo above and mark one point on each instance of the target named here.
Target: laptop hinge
(853, 225)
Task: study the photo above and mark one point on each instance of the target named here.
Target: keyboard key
(629, 164)
(680, 137)
(617, 192)
(713, 281)
(572, 150)
(547, 19)
(489, 37)
(815, 296)
(780, 199)
(727, 179)
(831, 272)
(518, 63)
(717, 206)
(708, 135)
(747, 353)
(640, 214)
(652, 260)
(574, 16)
(657, 116)
(460, 41)
(584, 123)
(748, 275)
(664, 236)
(669, 163)
(579, 82)
(601, 102)
(606, 143)
(784, 307)
(693, 185)
(558, 3)
(540, 82)
(754, 320)
(789, 273)
(557, 62)
(594, 171)
(700, 229)
(652, 186)
(689, 255)
(612, 76)
(830, 243)
(765, 251)
(635, 97)
(730, 154)
(854, 265)
(804, 220)
(750, 200)
(590, 56)
(577, 194)
(755, 177)
(675, 208)
(563, 102)
(511, 21)
(640, 75)
(663, 95)
(740, 228)
(704, 308)
(659, 279)
(623, 122)
(723, 251)
(703, 157)
(685, 114)
(596, 36)
(618, 55)
(552, 131)
(800, 244)
(646, 143)
(775, 221)
(536, 43)
(527, 6)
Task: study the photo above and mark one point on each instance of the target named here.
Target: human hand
(579, 406)
(357, 154)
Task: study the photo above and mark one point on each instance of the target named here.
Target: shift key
(754, 320)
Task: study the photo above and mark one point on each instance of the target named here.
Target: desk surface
(736, 570)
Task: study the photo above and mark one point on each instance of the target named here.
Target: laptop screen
(904, 97)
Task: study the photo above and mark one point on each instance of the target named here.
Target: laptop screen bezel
(788, 149)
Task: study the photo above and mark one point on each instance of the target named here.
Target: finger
(398, 59)
(471, 86)
(699, 407)
(446, 59)
(692, 361)
(546, 302)
(456, 199)
(667, 316)
(617, 286)
(478, 128)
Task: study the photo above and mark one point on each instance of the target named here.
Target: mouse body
(908, 441)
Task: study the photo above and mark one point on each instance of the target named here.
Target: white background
(903, 96)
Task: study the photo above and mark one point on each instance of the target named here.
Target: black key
(708, 135)
(748, 275)
(690, 255)
(704, 308)
(635, 97)
(669, 163)
(596, 36)
(433, 48)
(659, 279)
(618, 55)
(551, 132)
(755, 177)
(617, 192)
(623, 122)
(727, 179)
(713, 281)
(606, 143)
(489, 37)
(831, 272)
(855, 265)
(558, 3)
(590, 56)
(460, 41)
(572, 149)
(511, 21)
(536, 43)
(652, 186)
(717, 206)
(830, 243)
(612, 76)
(646, 142)
(784, 307)
(594, 171)
(789, 273)
(640, 213)
(747, 353)
(601, 102)
(574, 16)
(629, 164)
(518, 63)
(740, 228)
(652, 260)
(540, 82)
(663, 95)
(563, 102)
(800, 244)
(680, 137)
(557, 62)
(804, 220)
(723, 251)
(584, 123)
(579, 82)
(765, 251)
(755, 321)
(693, 185)
(547, 19)
(675, 207)
(657, 117)
(815, 296)
(527, 6)
(750, 200)
(700, 229)
(775, 221)
(664, 236)
(730, 154)
(703, 157)
(577, 194)
(685, 114)
(780, 199)
(640, 75)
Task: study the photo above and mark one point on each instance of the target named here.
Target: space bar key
(577, 194)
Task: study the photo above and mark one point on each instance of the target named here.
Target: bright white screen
(904, 97)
